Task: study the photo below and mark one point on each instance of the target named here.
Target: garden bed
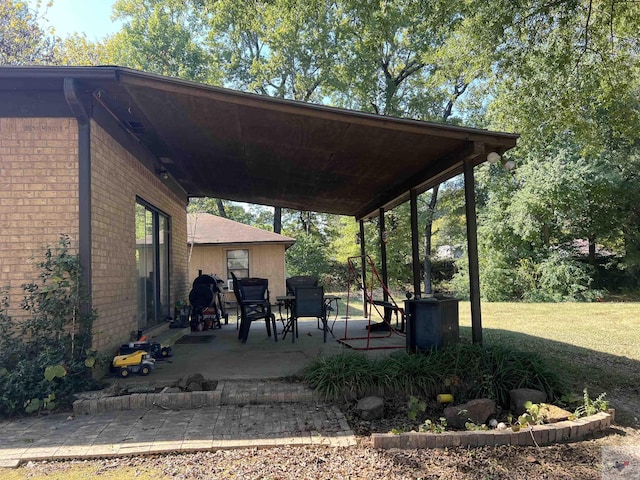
(568, 430)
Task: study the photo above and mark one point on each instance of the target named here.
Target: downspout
(84, 188)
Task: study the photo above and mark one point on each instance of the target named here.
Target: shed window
(238, 263)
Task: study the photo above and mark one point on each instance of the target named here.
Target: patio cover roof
(221, 143)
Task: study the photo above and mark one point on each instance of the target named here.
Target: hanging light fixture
(493, 157)
(509, 165)
(162, 173)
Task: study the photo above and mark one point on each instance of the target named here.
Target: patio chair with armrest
(252, 295)
(309, 302)
(300, 281)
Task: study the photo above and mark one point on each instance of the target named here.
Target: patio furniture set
(304, 299)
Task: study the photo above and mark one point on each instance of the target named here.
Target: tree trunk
(221, 211)
(428, 284)
(592, 251)
(459, 89)
(277, 219)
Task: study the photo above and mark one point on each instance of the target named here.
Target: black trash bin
(431, 323)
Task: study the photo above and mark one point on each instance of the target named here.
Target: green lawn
(594, 345)
(612, 328)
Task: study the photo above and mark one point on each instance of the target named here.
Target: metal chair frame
(252, 295)
(310, 302)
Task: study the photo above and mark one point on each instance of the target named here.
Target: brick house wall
(39, 201)
(116, 179)
(38, 195)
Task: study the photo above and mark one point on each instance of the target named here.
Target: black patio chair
(252, 295)
(309, 302)
(300, 281)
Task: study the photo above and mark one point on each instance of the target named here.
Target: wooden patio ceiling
(221, 143)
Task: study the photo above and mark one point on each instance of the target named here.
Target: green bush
(46, 358)
(557, 279)
(506, 277)
(468, 371)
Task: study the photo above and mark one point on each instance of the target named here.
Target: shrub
(557, 279)
(347, 375)
(468, 371)
(45, 359)
(505, 369)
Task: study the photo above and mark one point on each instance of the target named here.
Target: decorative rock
(194, 377)
(553, 414)
(171, 390)
(194, 387)
(370, 408)
(477, 411)
(181, 384)
(520, 396)
(209, 385)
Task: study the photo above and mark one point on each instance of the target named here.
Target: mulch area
(576, 461)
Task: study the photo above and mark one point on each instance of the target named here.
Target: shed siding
(38, 195)
(116, 179)
(265, 261)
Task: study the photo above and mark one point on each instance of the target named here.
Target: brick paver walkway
(251, 414)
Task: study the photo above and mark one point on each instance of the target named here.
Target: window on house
(152, 262)
(238, 263)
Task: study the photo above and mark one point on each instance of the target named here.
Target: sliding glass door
(152, 262)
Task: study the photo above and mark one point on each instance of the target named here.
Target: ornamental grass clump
(505, 369)
(344, 376)
(467, 371)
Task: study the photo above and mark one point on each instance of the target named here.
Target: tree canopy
(564, 74)
(22, 40)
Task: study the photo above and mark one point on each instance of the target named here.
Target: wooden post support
(363, 267)
(383, 255)
(472, 247)
(415, 251)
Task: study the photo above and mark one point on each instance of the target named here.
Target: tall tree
(569, 84)
(407, 59)
(164, 37)
(22, 40)
(77, 49)
(280, 48)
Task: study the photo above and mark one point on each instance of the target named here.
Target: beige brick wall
(38, 195)
(39, 202)
(117, 177)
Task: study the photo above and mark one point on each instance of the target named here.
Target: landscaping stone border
(226, 393)
(568, 430)
(241, 393)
